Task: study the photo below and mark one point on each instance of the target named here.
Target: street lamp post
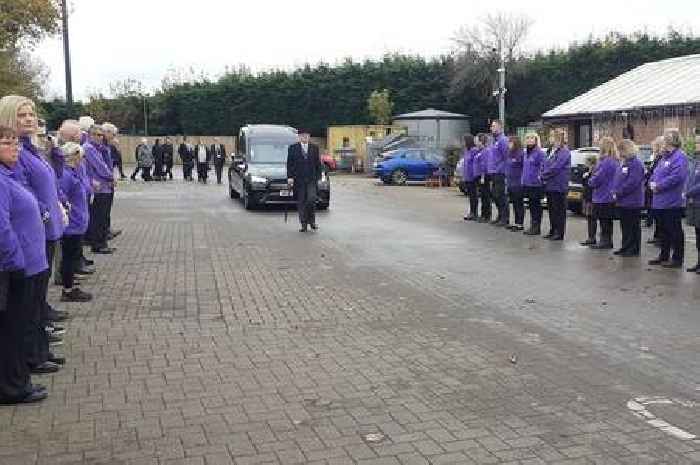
(502, 84)
(66, 56)
(145, 117)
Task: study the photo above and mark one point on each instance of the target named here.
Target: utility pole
(145, 117)
(502, 84)
(66, 57)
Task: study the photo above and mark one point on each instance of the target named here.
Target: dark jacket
(195, 153)
(168, 154)
(219, 157)
(186, 155)
(303, 169)
(158, 154)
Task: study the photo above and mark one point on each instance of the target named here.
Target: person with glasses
(102, 180)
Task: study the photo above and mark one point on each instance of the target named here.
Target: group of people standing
(160, 158)
(498, 170)
(56, 197)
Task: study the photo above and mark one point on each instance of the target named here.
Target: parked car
(413, 164)
(329, 162)
(578, 167)
(258, 173)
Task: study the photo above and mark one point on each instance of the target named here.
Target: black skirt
(604, 211)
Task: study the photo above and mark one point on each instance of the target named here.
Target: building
(438, 129)
(638, 104)
(348, 144)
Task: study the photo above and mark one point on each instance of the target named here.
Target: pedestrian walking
(601, 181)
(667, 185)
(168, 159)
(692, 196)
(144, 161)
(303, 173)
(202, 155)
(482, 177)
(186, 153)
(496, 170)
(533, 188)
(470, 178)
(218, 155)
(514, 175)
(556, 171)
(21, 229)
(628, 195)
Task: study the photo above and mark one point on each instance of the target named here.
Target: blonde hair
(607, 147)
(673, 138)
(534, 135)
(627, 148)
(9, 106)
(559, 135)
(110, 128)
(73, 153)
(86, 122)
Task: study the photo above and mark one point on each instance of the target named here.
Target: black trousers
(136, 171)
(120, 166)
(556, 206)
(498, 191)
(158, 171)
(485, 194)
(219, 168)
(202, 169)
(672, 235)
(472, 198)
(518, 201)
(36, 341)
(306, 193)
(534, 197)
(146, 173)
(97, 226)
(631, 226)
(606, 230)
(168, 170)
(71, 258)
(14, 371)
(187, 171)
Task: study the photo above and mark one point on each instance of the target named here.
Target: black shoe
(88, 262)
(548, 235)
(84, 271)
(57, 316)
(517, 228)
(695, 269)
(303, 229)
(45, 368)
(472, 218)
(658, 261)
(602, 246)
(619, 252)
(314, 226)
(673, 265)
(588, 242)
(75, 295)
(35, 394)
(56, 359)
(103, 250)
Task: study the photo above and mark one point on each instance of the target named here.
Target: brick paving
(220, 336)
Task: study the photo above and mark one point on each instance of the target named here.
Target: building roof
(659, 84)
(431, 113)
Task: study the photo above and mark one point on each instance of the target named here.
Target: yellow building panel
(355, 137)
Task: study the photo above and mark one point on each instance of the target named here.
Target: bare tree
(477, 49)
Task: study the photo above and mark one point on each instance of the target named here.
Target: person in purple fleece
(601, 181)
(533, 187)
(556, 171)
(514, 174)
(480, 159)
(470, 178)
(628, 194)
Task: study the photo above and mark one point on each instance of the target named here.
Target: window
(346, 142)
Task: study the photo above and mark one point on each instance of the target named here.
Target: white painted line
(638, 409)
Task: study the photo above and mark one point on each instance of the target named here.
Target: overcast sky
(142, 39)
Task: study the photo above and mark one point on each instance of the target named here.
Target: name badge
(625, 170)
(667, 164)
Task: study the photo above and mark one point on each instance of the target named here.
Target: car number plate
(285, 193)
(574, 196)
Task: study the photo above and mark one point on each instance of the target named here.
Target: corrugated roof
(675, 81)
(431, 113)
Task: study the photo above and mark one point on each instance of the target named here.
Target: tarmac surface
(396, 335)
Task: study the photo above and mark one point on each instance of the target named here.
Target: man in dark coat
(186, 152)
(218, 154)
(303, 173)
(168, 159)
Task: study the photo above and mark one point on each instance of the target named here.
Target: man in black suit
(218, 153)
(186, 152)
(303, 173)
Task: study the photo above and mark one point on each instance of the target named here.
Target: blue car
(413, 164)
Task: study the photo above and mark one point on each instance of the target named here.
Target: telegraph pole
(66, 56)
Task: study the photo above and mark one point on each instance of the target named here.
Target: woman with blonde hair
(533, 188)
(556, 171)
(75, 192)
(601, 180)
(34, 172)
(628, 194)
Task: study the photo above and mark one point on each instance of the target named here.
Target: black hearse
(258, 172)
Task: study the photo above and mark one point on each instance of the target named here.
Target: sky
(143, 39)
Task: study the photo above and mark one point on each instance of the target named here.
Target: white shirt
(202, 154)
(305, 148)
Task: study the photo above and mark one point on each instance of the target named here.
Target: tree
(20, 75)
(380, 106)
(23, 23)
(478, 46)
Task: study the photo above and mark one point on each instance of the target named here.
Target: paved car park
(398, 334)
